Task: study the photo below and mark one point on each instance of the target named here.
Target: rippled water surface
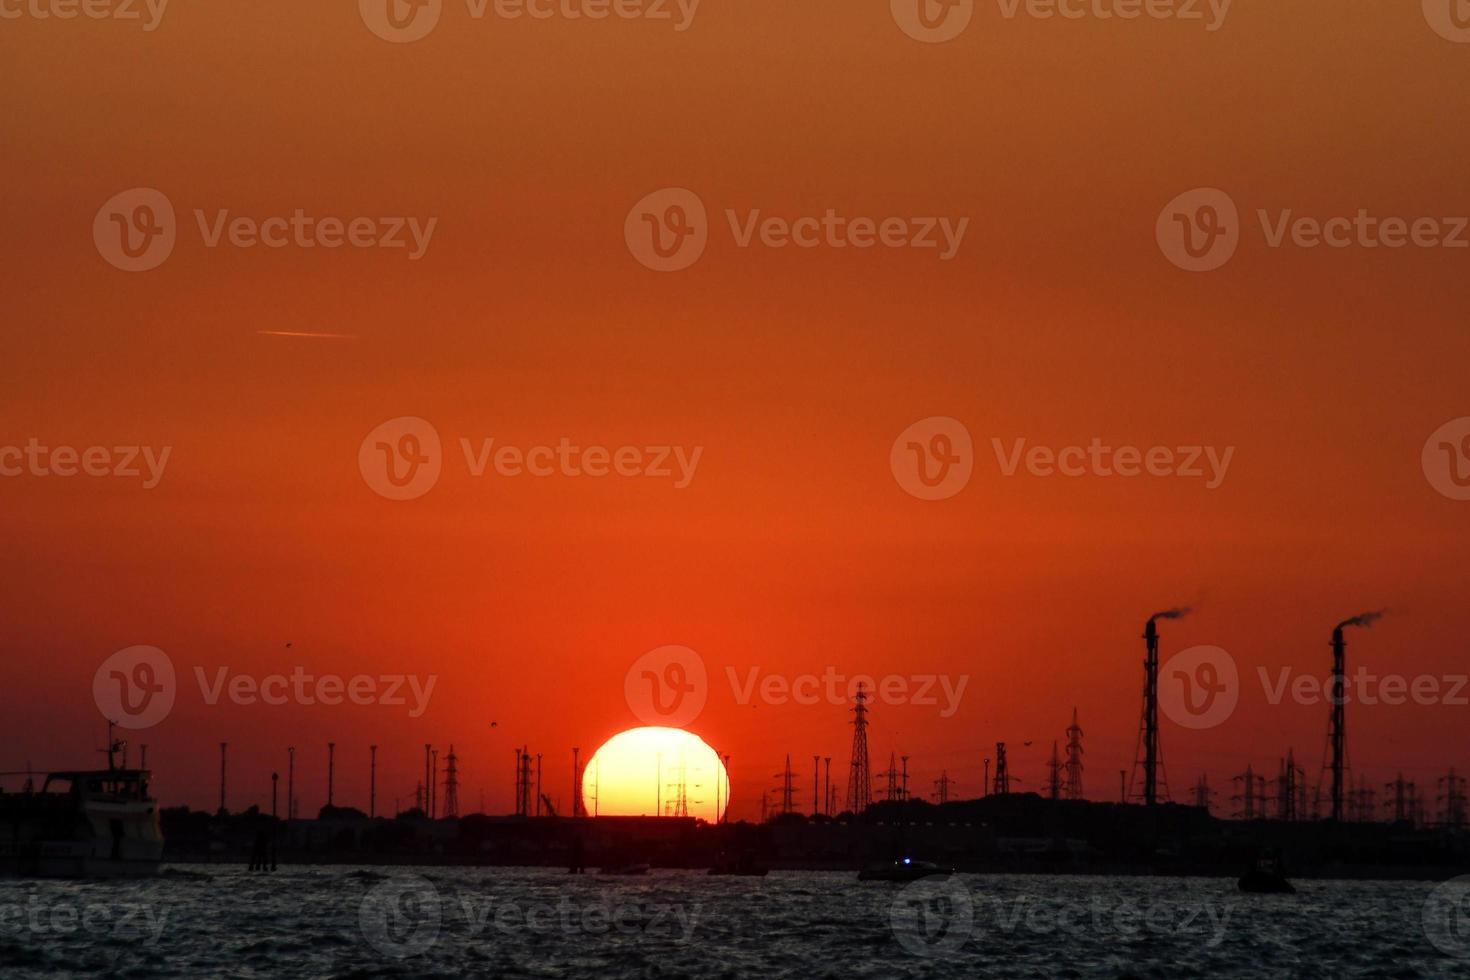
(343, 922)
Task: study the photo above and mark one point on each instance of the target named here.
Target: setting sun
(640, 772)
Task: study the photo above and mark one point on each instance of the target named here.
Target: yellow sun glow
(639, 772)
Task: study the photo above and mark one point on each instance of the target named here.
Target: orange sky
(794, 548)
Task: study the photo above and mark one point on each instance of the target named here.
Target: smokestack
(1337, 723)
(1151, 712)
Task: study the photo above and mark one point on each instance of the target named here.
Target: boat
(625, 869)
(82, 824)
(1266, 878)
(903, 869)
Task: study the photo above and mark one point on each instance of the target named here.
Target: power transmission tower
(1202, 793)
(1290, 789)
(1054, 774)
(451, 785)
(1252, 796)
(860, 778)
(1002, 772)
(1074, 759)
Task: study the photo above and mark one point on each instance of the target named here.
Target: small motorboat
(903, 869)
(1266, 878)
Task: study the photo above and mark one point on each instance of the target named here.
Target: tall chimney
(1337, 732)
(373, 781)
(1151, 715)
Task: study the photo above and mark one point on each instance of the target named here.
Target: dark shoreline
(1020, 834)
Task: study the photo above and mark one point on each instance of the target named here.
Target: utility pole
(816, 777)
(373, 781)
(223, 748)
(331, 772)
(827, 785)
(577, 808)
(290, 782)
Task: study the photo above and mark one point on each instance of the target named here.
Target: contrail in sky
(307, 333)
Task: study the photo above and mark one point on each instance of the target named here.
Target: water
(461, 922)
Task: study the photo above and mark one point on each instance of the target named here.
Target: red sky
(794, 548)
